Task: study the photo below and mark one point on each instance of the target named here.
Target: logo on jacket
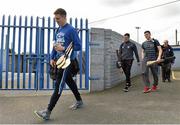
(60, 38)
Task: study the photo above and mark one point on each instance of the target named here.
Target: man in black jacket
(166, 66)
(126, 58)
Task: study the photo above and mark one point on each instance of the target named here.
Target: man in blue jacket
(64, 36)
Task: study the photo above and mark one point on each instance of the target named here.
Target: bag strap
(156, 49)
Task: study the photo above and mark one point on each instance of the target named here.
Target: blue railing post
(48, 51)
(7, 51)
(76, 27)
(30, 52)
(19, 52)
(13, 53)
(2, 50)
(54, 35)
(70, 21)
(37, 54)
(42, 55)
(81, 51)
(76, 23)
(24, 54)
(87, 57)
(54, 30)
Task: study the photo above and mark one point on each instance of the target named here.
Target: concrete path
(110, 106)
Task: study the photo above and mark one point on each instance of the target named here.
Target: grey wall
(103, 71)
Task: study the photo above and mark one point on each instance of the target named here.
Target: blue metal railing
(27, 59)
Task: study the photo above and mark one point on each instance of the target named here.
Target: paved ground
(110, 106)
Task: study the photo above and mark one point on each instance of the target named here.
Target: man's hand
(53, 63)
(59, 47)
(158, 60)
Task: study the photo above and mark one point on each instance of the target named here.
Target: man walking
(166, 65)
(151, 50)
(64, 36)
(126, 51)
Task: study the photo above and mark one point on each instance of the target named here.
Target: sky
(161, 21)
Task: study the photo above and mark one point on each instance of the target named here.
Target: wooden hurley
(64, 60)
(160, 61)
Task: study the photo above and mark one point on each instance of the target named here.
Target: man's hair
(60, 11)
(166, 41)
(127, 34)
(147, 32)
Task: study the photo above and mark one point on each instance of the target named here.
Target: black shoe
(163, 80)
(126, 89)
(169, 80)
(128, 85)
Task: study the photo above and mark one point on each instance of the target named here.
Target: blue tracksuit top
(65, 35)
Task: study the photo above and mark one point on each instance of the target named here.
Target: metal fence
(25, 53)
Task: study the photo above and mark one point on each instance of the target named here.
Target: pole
(137, 33)
(176, 37)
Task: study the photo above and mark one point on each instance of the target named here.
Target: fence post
(13, 53)
(87, 57)
(81, 38)
(48, 50)
(30, 52)
(2, 50)
(24, 54)
(7, 51)
(37, 54)
(54, 35)
(41, 45)
(19, 51)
